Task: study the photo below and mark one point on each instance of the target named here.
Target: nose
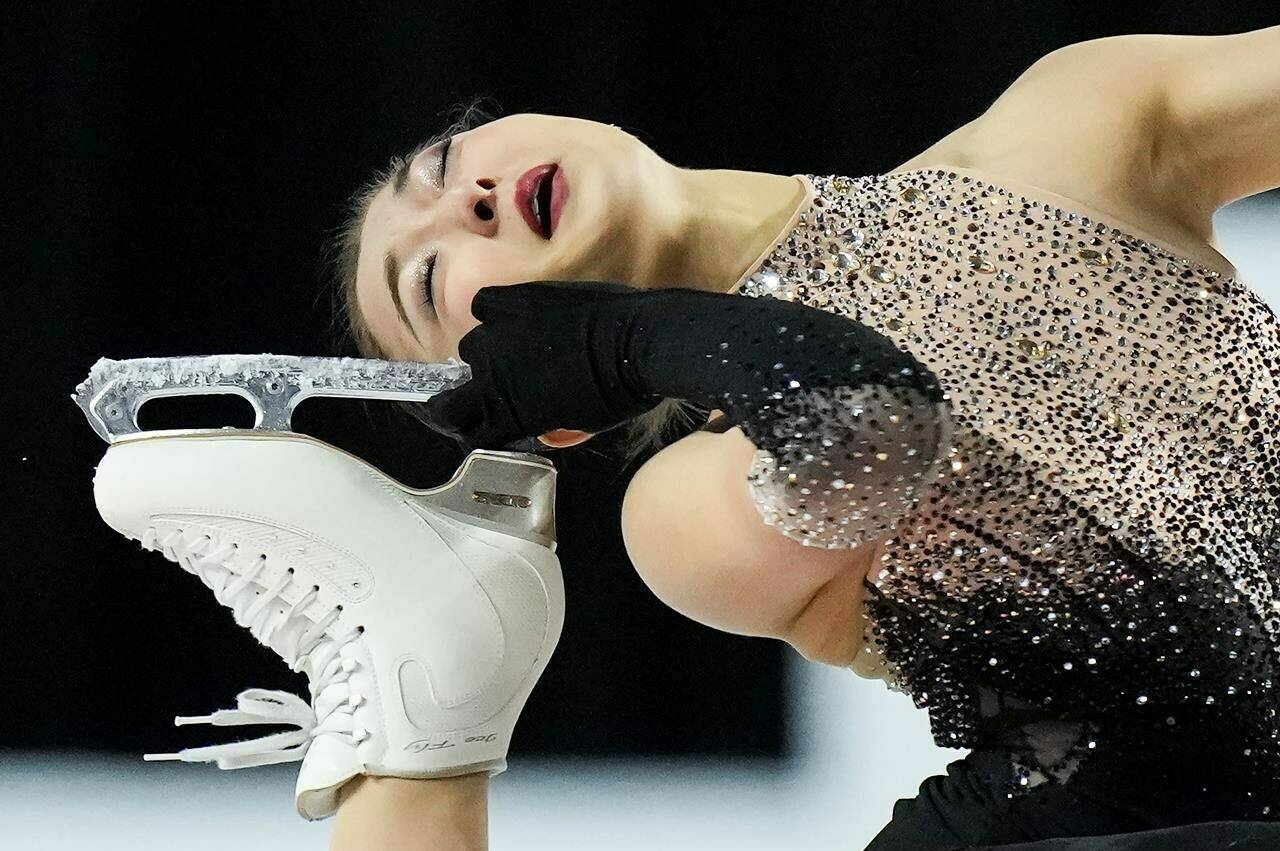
(476, 206)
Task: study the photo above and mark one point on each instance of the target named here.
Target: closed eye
(444, 157)
(426, 275)
(426, 281)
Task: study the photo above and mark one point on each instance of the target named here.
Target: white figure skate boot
(422, 618)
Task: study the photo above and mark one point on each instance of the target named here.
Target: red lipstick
(540, 194)
(559, 194)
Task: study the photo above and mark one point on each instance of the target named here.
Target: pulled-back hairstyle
(644, 434)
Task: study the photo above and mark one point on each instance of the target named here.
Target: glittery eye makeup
(432, 171)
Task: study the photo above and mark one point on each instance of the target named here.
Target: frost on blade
(274, 384)
(307, 372)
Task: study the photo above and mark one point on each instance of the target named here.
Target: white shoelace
(254, 603)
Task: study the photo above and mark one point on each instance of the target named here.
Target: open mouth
(540, 194)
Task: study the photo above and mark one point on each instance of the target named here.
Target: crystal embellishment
(1112, 474)
(883, 274)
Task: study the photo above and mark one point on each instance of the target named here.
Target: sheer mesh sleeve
(849, 427)
(846, 463)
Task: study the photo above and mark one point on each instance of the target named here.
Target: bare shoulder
(696, 539)
(1108, 122)
(1048, 125)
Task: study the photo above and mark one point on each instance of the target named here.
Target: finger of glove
(599, 290)
(472, 349)
(479, 412)
(458, 412)
(493, 303)
(461, 408)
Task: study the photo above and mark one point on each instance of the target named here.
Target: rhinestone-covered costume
(1094, 566)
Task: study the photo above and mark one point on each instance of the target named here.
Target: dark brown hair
(644, 434)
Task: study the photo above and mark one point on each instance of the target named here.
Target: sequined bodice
(1098, 560)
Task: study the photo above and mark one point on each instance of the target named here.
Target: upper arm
(1198, 112)
(697, 540)
(1223, 95)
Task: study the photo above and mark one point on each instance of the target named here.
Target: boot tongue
(329, 763)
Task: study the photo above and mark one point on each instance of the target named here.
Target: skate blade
(273, 384)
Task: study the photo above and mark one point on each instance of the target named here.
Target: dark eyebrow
(400, 167)
(392, 269)
(400, 175)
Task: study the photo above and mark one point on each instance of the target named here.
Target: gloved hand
(546, 355)
(849, 428)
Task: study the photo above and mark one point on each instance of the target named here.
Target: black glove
(851, 426)
(546, 355)
(591, 355)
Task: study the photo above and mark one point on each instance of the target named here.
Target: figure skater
(996, 426)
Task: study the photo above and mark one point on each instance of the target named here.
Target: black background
(173, 171)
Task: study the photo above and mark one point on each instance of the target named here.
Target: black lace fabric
(1079, 547)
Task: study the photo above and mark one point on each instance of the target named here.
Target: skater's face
(447, 224)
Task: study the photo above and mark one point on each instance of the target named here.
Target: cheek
(459, 298)
(606, 238)
(475, 270)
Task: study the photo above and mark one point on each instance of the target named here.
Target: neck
(723, 220)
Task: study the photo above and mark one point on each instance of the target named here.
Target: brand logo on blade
(511, 499)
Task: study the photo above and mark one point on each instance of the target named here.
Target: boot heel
(509, 492)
